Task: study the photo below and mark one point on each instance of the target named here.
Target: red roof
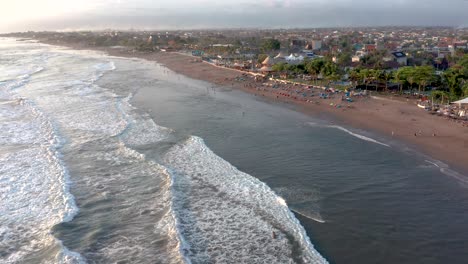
(369, 47)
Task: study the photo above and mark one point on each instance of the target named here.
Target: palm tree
(423, 75)
(387, 76)
(354, 76)
(397, 77)
(378, 75)
(410, 79)
(365, 74)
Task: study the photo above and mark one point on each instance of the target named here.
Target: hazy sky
(22, 15)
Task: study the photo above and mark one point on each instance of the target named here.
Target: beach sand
(392, 117)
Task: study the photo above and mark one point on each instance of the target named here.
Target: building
(355, 58)
(358, 56)
(316, 44)
(369, 48)
(400, 57)
(295, 43)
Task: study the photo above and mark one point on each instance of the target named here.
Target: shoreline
(391, 118)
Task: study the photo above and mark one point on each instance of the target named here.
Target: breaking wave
(35, 196)
(185, 204)
(362, 137)
(220, 206)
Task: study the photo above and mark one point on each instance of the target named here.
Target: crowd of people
(287, 90)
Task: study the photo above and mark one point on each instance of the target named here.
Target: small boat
(423, 106)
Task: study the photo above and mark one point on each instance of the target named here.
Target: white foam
(368, 139)
(85, 112)
(226, 214)
(231, 214)
(310, 215)
(34, 189)
(143, 209)
(65, 256)
(174, 223)
(34, 198)
(305, 202)
(445, 169)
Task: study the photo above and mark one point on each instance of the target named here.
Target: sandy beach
(392, 117)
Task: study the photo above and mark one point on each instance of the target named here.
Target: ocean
(113, 160)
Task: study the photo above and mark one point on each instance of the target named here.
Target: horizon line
(238, 28)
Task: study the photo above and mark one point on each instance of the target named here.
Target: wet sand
(391, 117)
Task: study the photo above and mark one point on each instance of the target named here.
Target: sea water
(362, 197)
(112, 160)
(87, 177)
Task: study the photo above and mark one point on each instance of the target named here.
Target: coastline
(392, 118)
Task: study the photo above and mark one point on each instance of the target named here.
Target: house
(400, 57)
(358, 56)
(357, 46)
(355, 58)
(369, 48)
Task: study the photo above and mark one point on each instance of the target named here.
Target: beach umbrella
(280, 55)
(461, 102)
(265, 69)
(268, 61)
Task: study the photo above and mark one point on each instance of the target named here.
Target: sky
(24, 15)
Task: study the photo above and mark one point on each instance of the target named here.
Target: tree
(314, 67)
(344, 59)
(366, 76)
(261, 58)
(355, 76)
(411, 79)
(465, 89)
(453, 78)
(456, 78)
(423, 76)
(279, 67)
(399, 78)
(405, 75)
(271, 44)
(440, 96)
(387, 76)
(330, 71)
(329, 68)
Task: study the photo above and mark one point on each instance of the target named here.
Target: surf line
(359, 136)
(316, 219)
(433, 163)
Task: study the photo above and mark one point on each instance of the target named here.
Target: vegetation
(375, 70)
(456, 79)
(318, 67)
(270, 45)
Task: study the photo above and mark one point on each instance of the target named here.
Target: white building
(355, 59)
